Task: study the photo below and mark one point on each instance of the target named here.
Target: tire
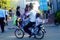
(19, 33)
(40, 35)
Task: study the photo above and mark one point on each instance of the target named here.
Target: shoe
(2, 32)
(7, 24)
(34, 36)
(30, 36)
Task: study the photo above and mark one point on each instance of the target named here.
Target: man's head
(30, 6)
(27, 6)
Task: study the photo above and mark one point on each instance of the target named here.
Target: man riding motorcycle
(32, 16)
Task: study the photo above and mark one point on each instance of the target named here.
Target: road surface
(53, 33)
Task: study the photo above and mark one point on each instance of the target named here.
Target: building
(56, 5)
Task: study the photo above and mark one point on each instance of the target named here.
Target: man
(10, 13)
(2, 21)
(32, 16)
(6, 15)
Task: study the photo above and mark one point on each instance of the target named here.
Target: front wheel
(40, 35)
(19, 33)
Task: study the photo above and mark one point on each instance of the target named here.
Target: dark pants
(2, 24)
(6, 17)
(39, 28)
(10, 14)
(6, 20)
(26, 28)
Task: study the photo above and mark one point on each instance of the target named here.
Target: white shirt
(6, 12)
(38, 21)
(32, 15)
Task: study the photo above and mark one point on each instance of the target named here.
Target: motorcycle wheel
(19, 33)
(40, 35)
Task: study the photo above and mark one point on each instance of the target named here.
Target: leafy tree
(5, 3)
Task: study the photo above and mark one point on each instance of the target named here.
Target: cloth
(32, 15)
(6, 14)
(2, 14)
(18, 13)
(38, 21)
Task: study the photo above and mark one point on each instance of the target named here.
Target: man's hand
(5, 21)
(26, 17)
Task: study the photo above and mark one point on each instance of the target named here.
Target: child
(19, 18)
(38, 21)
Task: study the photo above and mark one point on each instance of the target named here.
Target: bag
(14, 19)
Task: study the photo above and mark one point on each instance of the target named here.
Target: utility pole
(31, 0)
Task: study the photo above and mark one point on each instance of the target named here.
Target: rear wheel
(40, 35)
(19, 33)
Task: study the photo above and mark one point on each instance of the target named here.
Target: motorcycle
(19, 32)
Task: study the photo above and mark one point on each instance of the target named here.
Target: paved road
(53, 33)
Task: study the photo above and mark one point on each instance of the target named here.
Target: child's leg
(39, 28)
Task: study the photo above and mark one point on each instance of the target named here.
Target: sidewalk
(49, 25)
(51, 19)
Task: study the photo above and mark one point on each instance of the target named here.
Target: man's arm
(28, 14)
(3, 11)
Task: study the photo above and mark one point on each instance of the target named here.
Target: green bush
(57, 16)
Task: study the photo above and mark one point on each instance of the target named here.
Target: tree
(5, 3)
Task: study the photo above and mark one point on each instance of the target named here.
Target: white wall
(22, 6)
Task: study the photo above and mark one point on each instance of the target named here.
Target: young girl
(18, 14)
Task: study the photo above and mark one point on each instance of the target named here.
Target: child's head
(37, 15)
(18, 8)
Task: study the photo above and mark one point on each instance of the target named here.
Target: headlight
(42, 27)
